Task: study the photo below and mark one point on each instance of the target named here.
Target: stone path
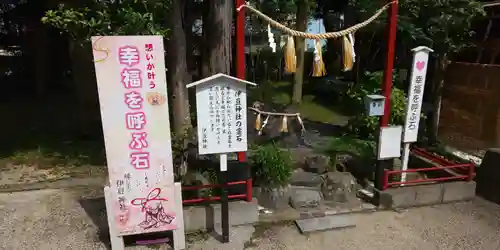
(463, 226)
(57, 219)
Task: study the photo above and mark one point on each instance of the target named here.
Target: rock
(317, 163)
(360, 168)
(343, 159)
(306, 179)
(304, 197)
(488, 176)
(299, 155)
(273, 197)
(339, 186)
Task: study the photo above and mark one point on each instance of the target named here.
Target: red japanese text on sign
(150, 67)
(136, 120)
(129, 55)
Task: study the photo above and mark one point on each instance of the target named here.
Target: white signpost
(415, 98)
(221, 109)
(141, 196)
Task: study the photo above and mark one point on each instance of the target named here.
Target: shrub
(272, 166)
(363, 125)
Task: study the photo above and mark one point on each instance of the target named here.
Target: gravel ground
(469, 225)
(57, 219)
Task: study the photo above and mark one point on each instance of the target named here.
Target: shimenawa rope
(327, 35)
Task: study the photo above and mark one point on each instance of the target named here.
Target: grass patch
(45, 134)
(363, 149)
(46, 157)
(351, 145)
(314, 111)
(278, 94)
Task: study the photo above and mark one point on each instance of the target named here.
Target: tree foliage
(110, 17)
(444, 25)
(365, 126)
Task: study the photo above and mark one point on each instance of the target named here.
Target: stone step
(367, 193)
(325, 223)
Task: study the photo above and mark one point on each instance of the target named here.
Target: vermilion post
(470, 175)
(389, 63)
(240, 72)
(387, 85)
(386, 180)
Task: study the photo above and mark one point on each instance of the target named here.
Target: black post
(380, 166)
(224, 208)
(379, 172)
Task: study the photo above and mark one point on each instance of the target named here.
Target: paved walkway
(58, 219)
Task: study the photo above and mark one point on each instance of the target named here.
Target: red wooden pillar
(240, 73)
(389, 62)
(387, 86)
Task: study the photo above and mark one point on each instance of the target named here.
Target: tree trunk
(217, 32)
(437, 92)
(302, 19)
(191, 14)
(177, 65)
(333, 58)
(83, 73)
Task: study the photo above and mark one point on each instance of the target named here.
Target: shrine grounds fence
(247, 195)
(452, 171)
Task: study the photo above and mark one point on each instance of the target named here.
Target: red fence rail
(247, 195)
(461, 171)
(468, 177)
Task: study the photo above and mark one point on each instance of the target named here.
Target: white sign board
(389, 143)
(131, 80)
(416, 93)
(221, 108)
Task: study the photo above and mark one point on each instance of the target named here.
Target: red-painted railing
(247, 195)
(468, 177)
(460, 171)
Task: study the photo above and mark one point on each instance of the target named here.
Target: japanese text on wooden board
(221, 117)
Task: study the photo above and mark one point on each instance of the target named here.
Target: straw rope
(328, 35)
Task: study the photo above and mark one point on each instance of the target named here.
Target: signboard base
(116, 240)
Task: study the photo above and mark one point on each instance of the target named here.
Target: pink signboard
(131, 80)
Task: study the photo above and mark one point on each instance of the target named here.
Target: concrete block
(325, 223)
(207, 217)
(459, 191)
(398, 198)
(240, 213)
(429, 194)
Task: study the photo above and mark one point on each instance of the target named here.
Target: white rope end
(242, 6)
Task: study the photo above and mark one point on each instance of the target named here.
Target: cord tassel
(348, 54)
(257, 122)
(284, 125)
(290, 57)
(318, 64)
